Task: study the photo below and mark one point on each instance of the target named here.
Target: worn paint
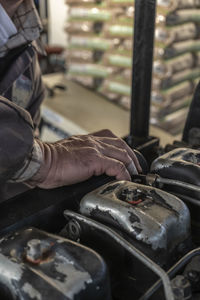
(64, 273)
(10, 272)
(75, 280)
(182, 156)
(31, 291)
(153, 221)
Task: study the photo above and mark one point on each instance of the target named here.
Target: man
(23, 158)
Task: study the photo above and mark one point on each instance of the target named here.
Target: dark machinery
(104, 239)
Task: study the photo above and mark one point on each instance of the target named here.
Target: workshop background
(91, 43)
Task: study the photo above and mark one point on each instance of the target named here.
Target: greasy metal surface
(181, 288)
(182, 155)
(142, 69)
(38, 265)
(180, 164)
(44, 208)
(172, 272)
(146, 214)
(126, 245)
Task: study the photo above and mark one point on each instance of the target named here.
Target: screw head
(193, 276)
(35, 250)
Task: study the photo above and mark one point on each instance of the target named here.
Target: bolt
(74, 230)
(181, 288)
(194, 279)
(193, 276)
(180, 281)
(36, 249)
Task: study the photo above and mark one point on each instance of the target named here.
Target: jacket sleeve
(20, 154)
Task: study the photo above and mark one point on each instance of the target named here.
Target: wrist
(45, 164)
(31, 165)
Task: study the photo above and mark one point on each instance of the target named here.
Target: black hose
(178, 183)
(188, 199)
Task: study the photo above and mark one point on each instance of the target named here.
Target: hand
(78, 158)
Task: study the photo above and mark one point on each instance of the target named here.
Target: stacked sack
(100, 35)
(120, 29)
(87, 43)
(100, 53)
(176, 61)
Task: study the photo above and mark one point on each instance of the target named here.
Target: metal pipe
(179, 265)
(144, 25)
(187, 199)
(155, 180)
(130, 248)
(178, 183)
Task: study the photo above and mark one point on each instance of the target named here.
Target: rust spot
(135, 202)
(46, 258)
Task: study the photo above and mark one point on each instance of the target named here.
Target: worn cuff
(31, 165)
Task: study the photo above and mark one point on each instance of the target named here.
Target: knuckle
(77, 137)
(126, 156)
(121, 167)
(98, 164)
(124, 152)
(90, 141)
(121, 143)
(106, 132)
(92, 151)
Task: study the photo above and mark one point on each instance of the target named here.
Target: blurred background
(89, 44)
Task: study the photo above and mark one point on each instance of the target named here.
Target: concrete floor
(90, 112)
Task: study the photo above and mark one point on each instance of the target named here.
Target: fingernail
(132, 169)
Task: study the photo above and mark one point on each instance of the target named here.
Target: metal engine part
(180, 172)
(181, 288)
(180, 164)
(38, 265)
(154, 221)
(146, 263)
(192, 273)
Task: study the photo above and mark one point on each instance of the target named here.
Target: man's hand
(78, 158)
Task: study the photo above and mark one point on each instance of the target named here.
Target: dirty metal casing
(180, 164)
(155, 222)
(38, 265)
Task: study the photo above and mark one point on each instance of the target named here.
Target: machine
(108, 239)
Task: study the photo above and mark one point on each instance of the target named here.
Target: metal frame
(43, 10)
(145, 13)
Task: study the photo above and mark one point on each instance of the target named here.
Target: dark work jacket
(21, 93)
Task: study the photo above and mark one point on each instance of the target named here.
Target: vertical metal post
(145, 12)
(43, 10)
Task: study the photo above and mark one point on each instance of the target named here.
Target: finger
(108, 133)
(132, 169)
(118, 154)
(119, 143)
(111, 167)
(110, 139)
